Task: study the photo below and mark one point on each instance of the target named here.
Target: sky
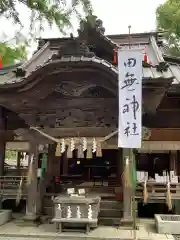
(116, 15)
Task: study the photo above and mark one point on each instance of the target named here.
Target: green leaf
(55, 12)
(12, 54)
(168, 19)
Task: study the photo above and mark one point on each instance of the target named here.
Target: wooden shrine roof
(37, 89)
(73, 83)
(159, 67)
(9, 78)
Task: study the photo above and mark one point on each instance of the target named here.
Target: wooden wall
(165, 134)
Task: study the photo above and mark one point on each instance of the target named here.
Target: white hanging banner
(130, 98)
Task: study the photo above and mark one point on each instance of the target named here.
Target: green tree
(11, 54)
(168, 20)
(55, 12)
(11, 155)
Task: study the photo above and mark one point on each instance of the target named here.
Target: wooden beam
(162, 119)
(169, 103)
(74, 132)
(55, 103)
(158, 136)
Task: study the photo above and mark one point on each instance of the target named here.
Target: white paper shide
(130, 98)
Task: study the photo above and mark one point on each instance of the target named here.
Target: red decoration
(145, 58)
(1, 63)
(145, 55)
(115, 56)
(58, 180)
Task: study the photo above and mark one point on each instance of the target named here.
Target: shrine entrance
(68, 98)
(97, 170)
(100, 173)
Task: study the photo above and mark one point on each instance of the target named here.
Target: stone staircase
(48, 207)
(110, 211)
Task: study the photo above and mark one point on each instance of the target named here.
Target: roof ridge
(109, 40)
(39, 52)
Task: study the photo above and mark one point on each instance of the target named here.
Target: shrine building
(69, 89)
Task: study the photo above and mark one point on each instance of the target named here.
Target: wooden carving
(76, 117)
(85, 88)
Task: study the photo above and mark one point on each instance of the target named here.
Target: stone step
(110, 213)
(109, 221)
(111, 204)
(47, 202)
(108, 197)
(25, 223)
(48, 211)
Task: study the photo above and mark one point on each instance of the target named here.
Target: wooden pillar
(2, 156)
(127, 192)
(32, 205)
(56, 162)
(51, 159)
(178, 162)
(19, 157)
(119, 170)
(65, 163)
(2, 141)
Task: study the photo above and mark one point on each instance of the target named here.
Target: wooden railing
(90, 187)
(15, 172)
(9, 186)
(158, 191)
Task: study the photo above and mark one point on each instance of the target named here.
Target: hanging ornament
(72, 144)
(71, 148)
(84, 144)
(99, 150)
(63, 146)
(41, 147)
(19, 192)
(23, 156)
(89, 152)
(115, 56)
(58, 150)
(145, 55)
(80, 151)
(69, 152)
(168, 195)
(27, 158)
(94, 145)
(30, 171)
(145, 192)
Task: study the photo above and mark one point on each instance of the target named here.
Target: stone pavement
(11, 231)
